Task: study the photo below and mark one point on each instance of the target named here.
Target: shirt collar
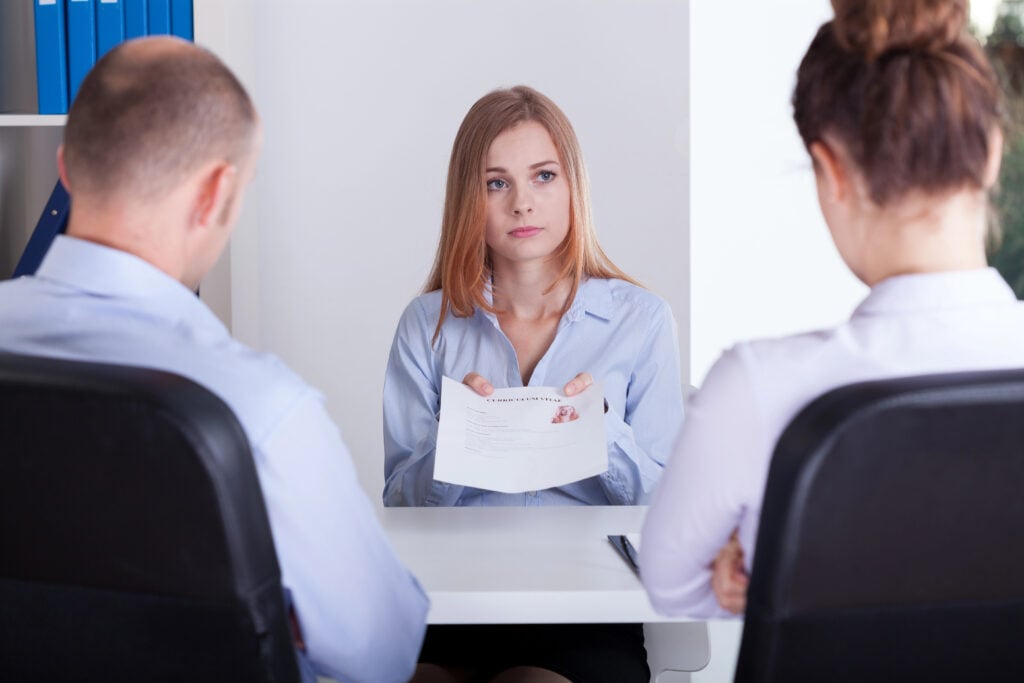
(937, 291)
(111, 273)
(593, 296)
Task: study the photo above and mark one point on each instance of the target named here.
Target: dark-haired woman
(900, 112)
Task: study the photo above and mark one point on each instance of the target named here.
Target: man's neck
(128, 230)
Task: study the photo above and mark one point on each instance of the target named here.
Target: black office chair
(134, 544)
(891, 545)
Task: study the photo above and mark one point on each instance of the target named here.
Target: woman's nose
(522, 202)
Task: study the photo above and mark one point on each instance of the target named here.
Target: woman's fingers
(729, 579)
(478, 384)
(578, 383)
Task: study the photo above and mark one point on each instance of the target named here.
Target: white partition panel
(762, 263)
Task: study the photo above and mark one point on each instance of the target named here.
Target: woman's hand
(578, 384)
(729, 579)
(478, 384)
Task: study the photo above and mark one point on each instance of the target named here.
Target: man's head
(160, 130)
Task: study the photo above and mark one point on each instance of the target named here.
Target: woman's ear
(833, 178)
(995, 158)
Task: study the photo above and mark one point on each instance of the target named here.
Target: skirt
(583, 653)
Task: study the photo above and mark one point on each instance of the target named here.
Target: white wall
(762, 261)
(361, 101)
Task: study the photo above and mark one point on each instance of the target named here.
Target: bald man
(159, 147)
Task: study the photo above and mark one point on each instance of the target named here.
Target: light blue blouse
(623, 335)
(361, 611)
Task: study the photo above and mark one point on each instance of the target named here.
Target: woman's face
(527, 196)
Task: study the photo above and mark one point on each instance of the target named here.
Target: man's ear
(831, 171)
(62, 169)
(216, 188)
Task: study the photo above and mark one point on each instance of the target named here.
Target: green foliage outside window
(1005, 47)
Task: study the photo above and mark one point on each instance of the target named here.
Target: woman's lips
(525, 231)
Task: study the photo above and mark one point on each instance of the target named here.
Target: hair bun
(873, 27)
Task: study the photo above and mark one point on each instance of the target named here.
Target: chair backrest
(134, 543)
(891, 542)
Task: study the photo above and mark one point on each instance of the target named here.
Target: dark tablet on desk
(626, 551)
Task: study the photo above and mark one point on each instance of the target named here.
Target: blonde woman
(521, 294)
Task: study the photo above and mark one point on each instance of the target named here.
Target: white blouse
(714, 482)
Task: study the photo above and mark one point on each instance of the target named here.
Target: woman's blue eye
(496, 184)
(546, 176)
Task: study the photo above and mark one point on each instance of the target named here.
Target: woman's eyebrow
(499, 169)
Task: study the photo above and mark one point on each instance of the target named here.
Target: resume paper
(519, 439)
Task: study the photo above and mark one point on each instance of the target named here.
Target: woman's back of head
(906, 91)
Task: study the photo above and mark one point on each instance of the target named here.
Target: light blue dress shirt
(623, 335)
(361, 612)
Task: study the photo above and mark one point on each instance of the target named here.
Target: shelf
(26, 120)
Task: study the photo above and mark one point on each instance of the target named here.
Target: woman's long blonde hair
(462, 268)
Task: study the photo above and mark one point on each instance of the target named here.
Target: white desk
(521, 565)
(505, 565)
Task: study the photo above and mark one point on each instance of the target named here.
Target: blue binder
(109, 25)
(136, 18)
(81, 42)
(181, 18)
(52, 223)
(159, 17)
(51, 57)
